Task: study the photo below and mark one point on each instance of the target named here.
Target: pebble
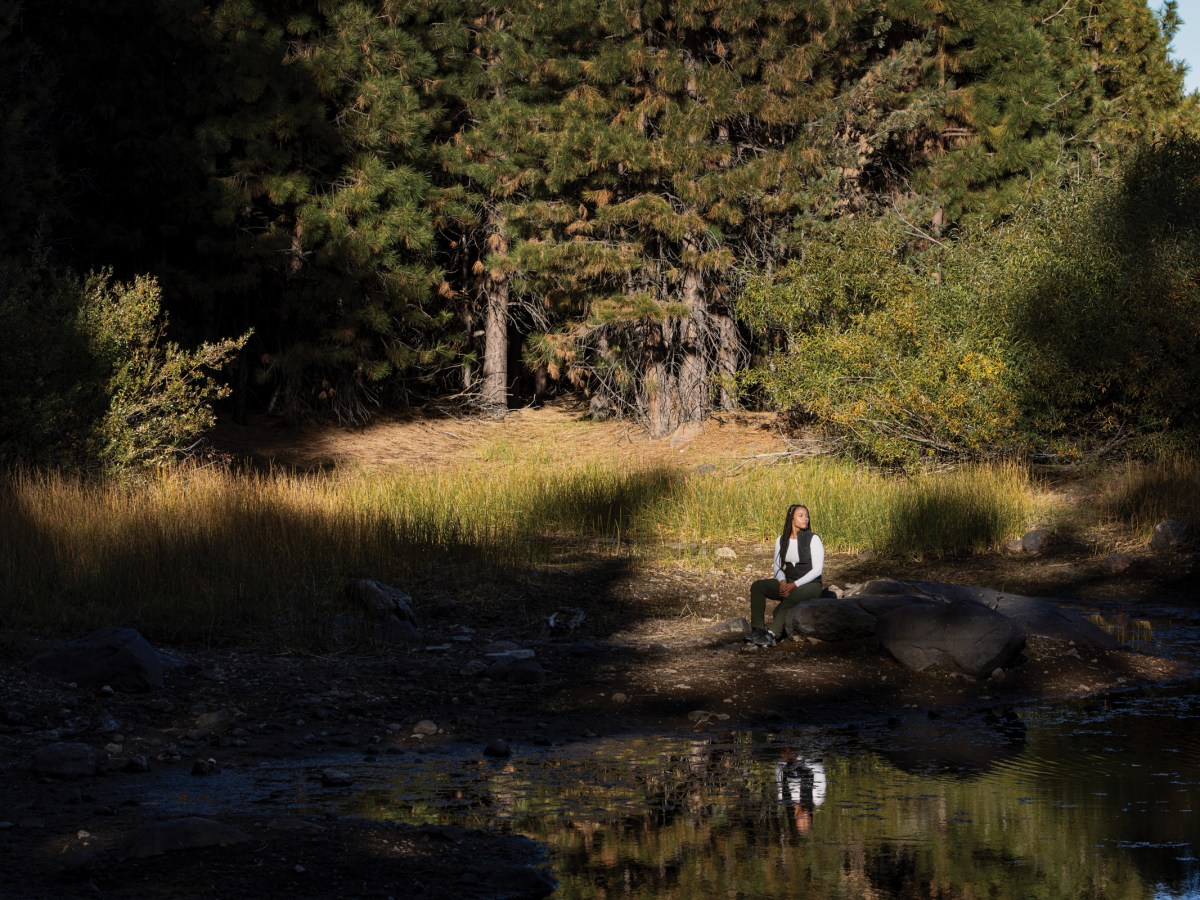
(425, 727)
(619, 697)
(726, 553)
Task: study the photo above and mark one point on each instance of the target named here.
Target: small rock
(336, 778)
(205, 767)
(726, 553)
(1014, 546)
(136, 764)
(1169, 534)
(113, 749)
(1036, 541)
(474, 667)
(512, 655)
(425, 727)
(500, 647)
(1116, 563)
(618, 697)
(498, 748)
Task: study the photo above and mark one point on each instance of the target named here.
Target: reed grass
(1142, 494)
(226, 555)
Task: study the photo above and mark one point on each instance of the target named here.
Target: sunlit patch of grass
(964, 510)
(1144, 493)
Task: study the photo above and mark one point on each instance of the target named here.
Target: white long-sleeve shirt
(816, 549)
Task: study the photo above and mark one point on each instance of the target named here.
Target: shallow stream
(1093, 798)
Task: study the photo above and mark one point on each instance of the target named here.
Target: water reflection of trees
(700, 817)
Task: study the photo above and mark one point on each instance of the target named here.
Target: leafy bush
(90, 377)
(876, 354)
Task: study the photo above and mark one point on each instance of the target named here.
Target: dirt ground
(645, 659)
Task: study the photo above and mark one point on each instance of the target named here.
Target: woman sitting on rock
(799, 559)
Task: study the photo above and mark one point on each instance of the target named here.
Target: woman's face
(800, 519)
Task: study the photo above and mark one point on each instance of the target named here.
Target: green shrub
(91, 380)
(1072, 327)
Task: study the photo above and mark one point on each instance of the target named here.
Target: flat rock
(181, 834)
(119, 657)
(879, 587)
(733, 629)
(67, 759)
(1038, 615)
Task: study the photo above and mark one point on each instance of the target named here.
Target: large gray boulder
(829, 620)
(877, 605)
(1037, 615)
(119, 657)
(961, 635)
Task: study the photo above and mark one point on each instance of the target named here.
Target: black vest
(792, 571)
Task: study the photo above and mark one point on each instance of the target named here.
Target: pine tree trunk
(660, 387)
(494, 291)
(692, 387)
(494, 390)
(729, 349)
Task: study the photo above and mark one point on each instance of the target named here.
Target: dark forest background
(933, 229)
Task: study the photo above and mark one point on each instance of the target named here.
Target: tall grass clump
(1144, 493)
(201, 553)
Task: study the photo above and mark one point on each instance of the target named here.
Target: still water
(1096, 799)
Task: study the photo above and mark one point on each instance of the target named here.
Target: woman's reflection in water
(801, 783)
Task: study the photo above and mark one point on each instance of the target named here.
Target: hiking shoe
(761, 637)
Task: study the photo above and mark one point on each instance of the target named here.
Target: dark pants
(768, 589)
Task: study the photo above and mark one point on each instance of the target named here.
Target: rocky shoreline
(73, 822)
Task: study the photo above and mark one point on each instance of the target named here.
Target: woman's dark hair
(787, 526)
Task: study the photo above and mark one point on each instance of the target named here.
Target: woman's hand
(785, 588)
